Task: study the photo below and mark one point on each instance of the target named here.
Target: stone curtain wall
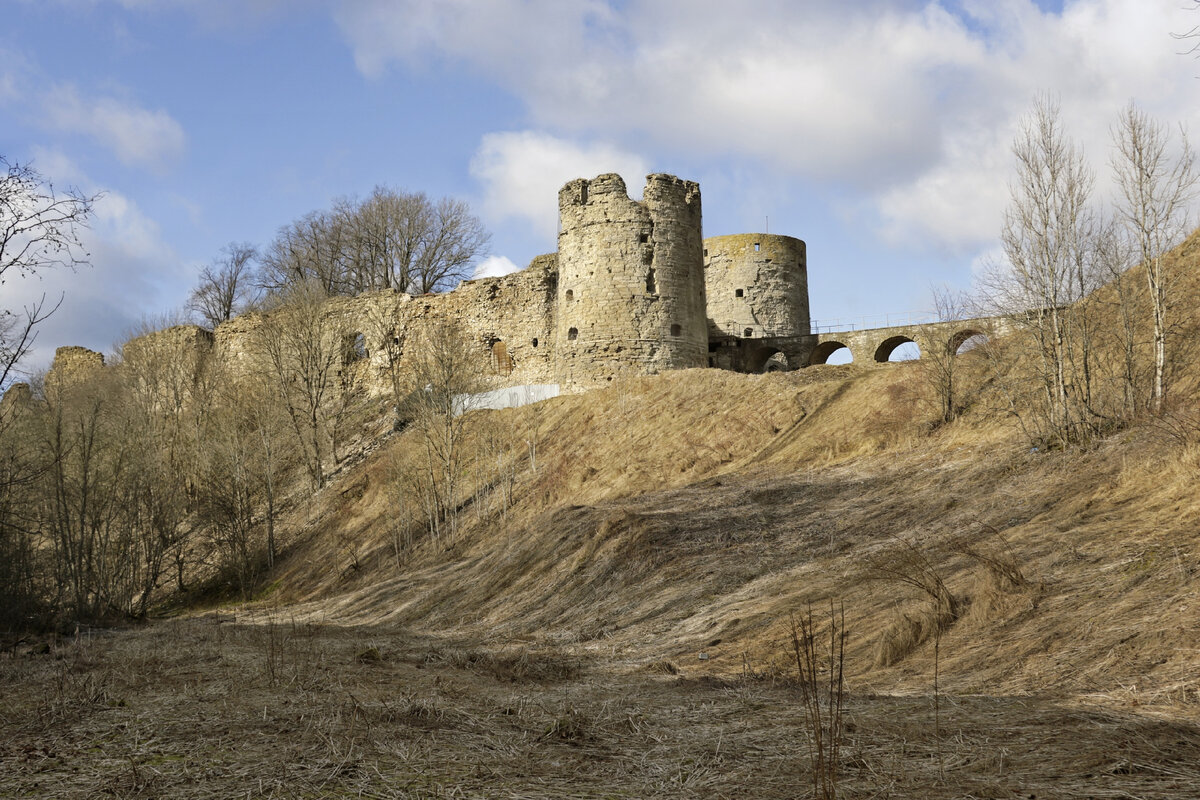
(632, 289)
(631, 286)
(757, 286)
(507, 321)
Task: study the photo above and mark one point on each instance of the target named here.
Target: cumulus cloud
(911, 105)
(131, 268)
(137, 136)
(494, 267)
(507, 35)
(522, 171)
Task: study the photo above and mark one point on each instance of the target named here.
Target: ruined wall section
(71, 366)
(630, 287)
(184, 348)
(234, 345)
(166, 368)
(506, 321)
(757, 286)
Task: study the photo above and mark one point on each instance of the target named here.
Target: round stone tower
(757, 286)
(630, 279)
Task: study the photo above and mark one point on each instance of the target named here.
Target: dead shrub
(823, 695)
(572, 727)
(909, 630)
(662, 667)
(517, 665)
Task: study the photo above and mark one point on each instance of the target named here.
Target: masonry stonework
(633, 289)
(72, 365)
(757, 286)
(630, 280)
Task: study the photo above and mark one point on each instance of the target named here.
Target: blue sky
(878, 132)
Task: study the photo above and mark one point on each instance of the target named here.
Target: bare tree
(89, 515)
(940, 362)
(23, 569)
(17, 334)
(391, 240)
(1046, 240)
(307, 251)
(444, 374)
(1114, 254)
(39, 230)
(453, 240)
(227, 286)
(1191, 35)
(302, 350)
(241, 473)
(1155, 189)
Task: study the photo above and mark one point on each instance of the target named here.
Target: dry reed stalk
(823, 700)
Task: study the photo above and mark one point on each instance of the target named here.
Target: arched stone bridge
(865, 346)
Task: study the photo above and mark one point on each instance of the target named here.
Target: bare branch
(227, 286)
(39, 228)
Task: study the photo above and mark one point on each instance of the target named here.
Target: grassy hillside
(694, 512)
(611, 617)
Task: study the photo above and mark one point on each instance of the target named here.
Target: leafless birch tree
(1155, 188)
(444, 373)
(1050, 265)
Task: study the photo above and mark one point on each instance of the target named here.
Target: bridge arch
(822, 352)
(767, 359)
(967, 336)
(888, 346)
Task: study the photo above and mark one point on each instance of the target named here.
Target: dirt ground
(216, 707)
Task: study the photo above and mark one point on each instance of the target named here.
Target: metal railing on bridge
(866, 323)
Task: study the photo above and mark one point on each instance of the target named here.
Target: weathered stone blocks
(631, 279)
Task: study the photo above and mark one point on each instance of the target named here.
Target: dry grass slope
(623, 621)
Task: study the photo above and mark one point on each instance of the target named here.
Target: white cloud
(138, 136)
(132, 270)
(522, 171)
(494, 266)
(509, 35)
(8, 87)
(14, 75)
(911, 104)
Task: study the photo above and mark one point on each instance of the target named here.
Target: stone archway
(971, 337)
(766, 359)
(822, 352)
(888, 346)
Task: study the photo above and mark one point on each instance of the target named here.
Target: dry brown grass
(618, 626)
(708, 557)
(213, 707)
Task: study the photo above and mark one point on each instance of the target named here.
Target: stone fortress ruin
(634, 289)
